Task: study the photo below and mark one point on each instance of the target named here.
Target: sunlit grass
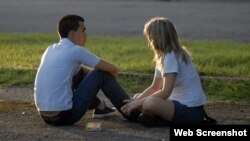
(220, 58)
(215, 58)
(21, 53)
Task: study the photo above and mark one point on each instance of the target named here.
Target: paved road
(194, 20)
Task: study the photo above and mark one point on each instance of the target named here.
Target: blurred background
(194, 19)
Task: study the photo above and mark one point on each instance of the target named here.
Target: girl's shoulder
(170, 56)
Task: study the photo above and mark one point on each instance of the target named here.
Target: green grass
(227, 90)
(16, 77)
(20, 56)
(214, 89)
(216, 58)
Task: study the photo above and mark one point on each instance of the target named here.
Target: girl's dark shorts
(187, 115)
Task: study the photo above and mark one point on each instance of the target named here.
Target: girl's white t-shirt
(52, 89)
(187, 88)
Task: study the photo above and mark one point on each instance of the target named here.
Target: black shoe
(149, 121)
(106, 112)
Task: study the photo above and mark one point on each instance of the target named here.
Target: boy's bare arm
(108, 67)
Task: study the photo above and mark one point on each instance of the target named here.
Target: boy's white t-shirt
(52, 90)
(187, 88)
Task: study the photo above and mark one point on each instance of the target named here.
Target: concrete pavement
(194, 20)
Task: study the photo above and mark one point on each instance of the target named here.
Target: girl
(176, 95)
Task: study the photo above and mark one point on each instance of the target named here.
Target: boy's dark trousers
(85, 89)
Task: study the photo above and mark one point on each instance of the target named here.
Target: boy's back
(54, 76)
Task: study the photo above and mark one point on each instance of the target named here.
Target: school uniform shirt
(187, 88)
(52, 89)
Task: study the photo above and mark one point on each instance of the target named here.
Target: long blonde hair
(162, 38)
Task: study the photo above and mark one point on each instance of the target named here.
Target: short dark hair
(68, 23)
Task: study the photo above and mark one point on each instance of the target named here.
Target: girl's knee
(148, 106)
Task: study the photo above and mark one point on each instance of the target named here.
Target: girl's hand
(136, 96)
(129, 106)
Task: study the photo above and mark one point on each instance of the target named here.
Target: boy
(64, 90)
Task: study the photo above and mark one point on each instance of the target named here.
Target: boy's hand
(108, 67)
(115, 72)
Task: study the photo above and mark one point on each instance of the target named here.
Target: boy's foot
(106, 112)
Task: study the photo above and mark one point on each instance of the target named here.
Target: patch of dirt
(228, 112)
(19, 121)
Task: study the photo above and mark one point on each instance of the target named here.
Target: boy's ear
(71, 34)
